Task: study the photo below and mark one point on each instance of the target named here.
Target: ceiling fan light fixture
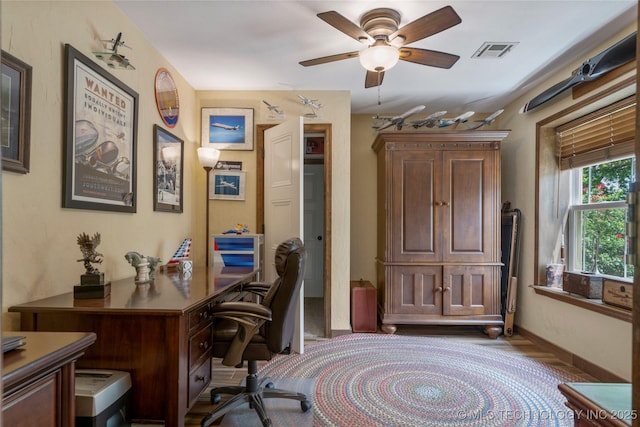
(379, 58)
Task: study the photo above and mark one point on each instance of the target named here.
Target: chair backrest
(284, 294)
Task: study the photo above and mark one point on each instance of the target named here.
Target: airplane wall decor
(313, 103)
(591, 69)
(432, 120)
(397, 121)
(490, 119)
(429, 121)
(273, 108)
(111, 55)
(462, 118)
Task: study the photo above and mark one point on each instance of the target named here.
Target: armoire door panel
(467, 290)
(415, 184)
(417, 209)
(471, 202)
(466, 213)
(416, 290)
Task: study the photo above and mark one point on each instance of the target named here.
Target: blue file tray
(237, 250)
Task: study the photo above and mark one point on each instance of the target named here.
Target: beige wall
(599, 339)
(39, 236)
(336, 110)
(363, 199)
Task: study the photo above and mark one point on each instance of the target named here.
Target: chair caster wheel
(305, 405)
(215, 399)
(269, 385)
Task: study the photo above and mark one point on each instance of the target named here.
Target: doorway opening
(317, 172)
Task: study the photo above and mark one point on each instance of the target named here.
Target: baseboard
(339, 332)
(570, 358)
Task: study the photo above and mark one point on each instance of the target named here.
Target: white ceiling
(256, 45)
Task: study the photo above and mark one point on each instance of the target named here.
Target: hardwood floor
(313, 317)
(222, 375)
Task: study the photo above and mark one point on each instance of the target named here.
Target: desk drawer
(199, 316)
(38, 404)
(199, 380)
(200, 346)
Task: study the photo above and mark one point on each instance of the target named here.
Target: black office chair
(258, 331)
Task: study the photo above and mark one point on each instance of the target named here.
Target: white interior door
(283, 200)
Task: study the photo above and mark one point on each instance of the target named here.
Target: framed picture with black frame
(101, 127)
(16, 113)
(168, 163)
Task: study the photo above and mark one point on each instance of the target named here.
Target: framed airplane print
(101, 126)
(227, 128)
(16, 113)
(227, 185)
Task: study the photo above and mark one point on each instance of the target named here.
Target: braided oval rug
(366, 380)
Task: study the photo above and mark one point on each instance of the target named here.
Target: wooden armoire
(438, 248)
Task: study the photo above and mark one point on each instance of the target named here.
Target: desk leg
(68, 394)
(28, 322)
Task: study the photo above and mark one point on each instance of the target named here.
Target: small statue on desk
(145, 266)
(88, 245)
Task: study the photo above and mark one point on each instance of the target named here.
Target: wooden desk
(39, 379)
(159, 333)
(599, 404)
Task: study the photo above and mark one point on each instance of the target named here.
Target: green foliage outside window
(603, 230)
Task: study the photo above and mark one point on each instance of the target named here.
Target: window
(571, 144)
(597, 216)
(597, 151)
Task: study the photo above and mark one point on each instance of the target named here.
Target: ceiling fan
(386, 43)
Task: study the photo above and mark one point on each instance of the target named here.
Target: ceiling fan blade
(432, 58)
(607, 60)
(341, 23)
(373, 79)
(428, 25)
(330, 58)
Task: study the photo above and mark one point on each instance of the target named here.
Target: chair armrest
(232, 309)
(266, 285)
(258, 288)
(250, 317)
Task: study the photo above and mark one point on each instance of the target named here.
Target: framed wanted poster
(101, 126)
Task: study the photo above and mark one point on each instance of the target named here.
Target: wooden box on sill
(585, 284)
(617, 293)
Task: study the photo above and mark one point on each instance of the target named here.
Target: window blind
(603, 135)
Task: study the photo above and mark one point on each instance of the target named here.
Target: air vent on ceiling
(494, 49)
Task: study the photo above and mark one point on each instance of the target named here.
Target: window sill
(589, 304)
